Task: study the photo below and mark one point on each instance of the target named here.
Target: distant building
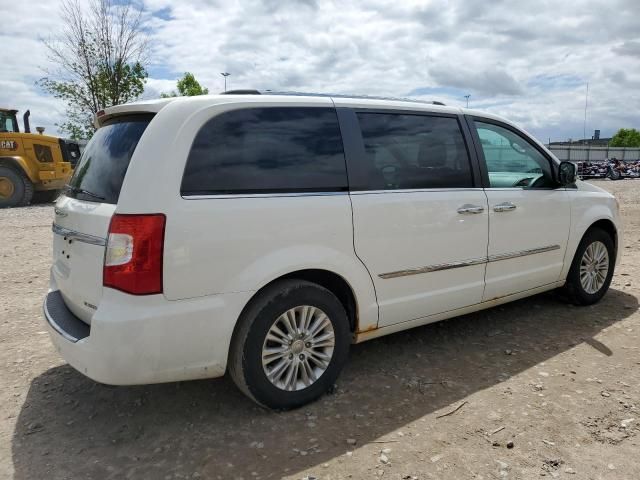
(594, 141)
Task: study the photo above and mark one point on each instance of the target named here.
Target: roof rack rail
(336, 95)
(344, 95)
(246, 91)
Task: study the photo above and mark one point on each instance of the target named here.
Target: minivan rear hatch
(84, 211)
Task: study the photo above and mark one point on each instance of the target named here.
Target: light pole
(586, 102)
(225, 75)
(467, 97)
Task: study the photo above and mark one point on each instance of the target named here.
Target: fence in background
(586, 153)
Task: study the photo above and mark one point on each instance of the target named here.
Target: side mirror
(567, 173)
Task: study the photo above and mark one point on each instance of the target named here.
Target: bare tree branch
(100, 59)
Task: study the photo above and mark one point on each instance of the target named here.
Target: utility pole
(467, 97)
(225, 75)
(584, 125)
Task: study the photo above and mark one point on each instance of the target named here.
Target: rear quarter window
(104, 162)
(267, 150)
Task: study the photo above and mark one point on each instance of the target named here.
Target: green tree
(188, 86)
(626, 137)
(100, 60)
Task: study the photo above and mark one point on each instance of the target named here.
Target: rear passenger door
(420, 222)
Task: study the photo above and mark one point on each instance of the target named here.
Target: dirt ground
(561, 383)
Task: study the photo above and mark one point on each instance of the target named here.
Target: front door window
(511, 160)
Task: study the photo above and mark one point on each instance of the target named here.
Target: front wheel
(16, 189)
(614, 174)
(290, 344)
(592, 268)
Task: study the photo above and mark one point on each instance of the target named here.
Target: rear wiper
(86, 192)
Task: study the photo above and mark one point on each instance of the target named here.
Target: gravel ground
(534, 388)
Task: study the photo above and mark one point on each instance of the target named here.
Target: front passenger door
(529, 216)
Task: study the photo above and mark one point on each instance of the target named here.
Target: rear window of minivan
(99, 175)
(267, 150)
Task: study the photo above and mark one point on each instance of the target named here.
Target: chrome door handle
(469, 209)
(504, 207)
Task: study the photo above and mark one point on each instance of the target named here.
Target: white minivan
(264, 233)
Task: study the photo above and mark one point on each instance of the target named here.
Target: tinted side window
(267, 150)
(413, 151)
(511, 160)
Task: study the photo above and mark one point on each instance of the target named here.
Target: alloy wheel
(594, 267)
(298, 348)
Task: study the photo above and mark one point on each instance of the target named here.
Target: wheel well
(609, 227)
(13, 164)
(332, 282)
(9, 162)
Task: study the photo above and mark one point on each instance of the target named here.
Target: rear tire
(587, 281)
(16, 189)
(265, 352)
(614, 174)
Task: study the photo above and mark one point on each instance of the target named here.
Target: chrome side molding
(434, 268)
(522, 253)
(468, 263)
(78, 236)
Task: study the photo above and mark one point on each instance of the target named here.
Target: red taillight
(133, 259)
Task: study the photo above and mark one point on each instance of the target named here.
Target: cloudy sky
(529, 61)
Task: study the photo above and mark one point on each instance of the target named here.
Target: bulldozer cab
(8, 121)
(33, 166)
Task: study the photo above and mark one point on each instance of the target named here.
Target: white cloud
(529, 62)
(23, 59)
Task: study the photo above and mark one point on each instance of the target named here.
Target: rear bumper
(139, 340)
(62, 320)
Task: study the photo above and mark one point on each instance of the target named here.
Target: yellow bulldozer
(33, 166)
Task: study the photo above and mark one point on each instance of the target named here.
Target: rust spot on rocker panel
(368, 329)
(364, 334)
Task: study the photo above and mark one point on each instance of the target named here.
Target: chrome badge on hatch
(60, 213)
(91, 306)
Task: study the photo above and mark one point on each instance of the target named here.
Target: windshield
(103, 165)
(8, 122)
